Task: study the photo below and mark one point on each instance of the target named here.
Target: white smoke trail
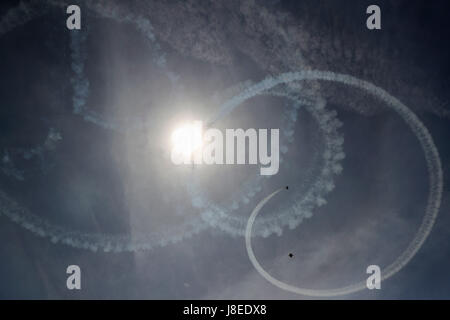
(20, 15)
(328, 165)
(433, 166)
(214, 215)
(94, 241)
(80, 81)
(39, 151)
(252, 186)
(59, 234)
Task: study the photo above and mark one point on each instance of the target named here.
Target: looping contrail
(433, 166)
(326, 165)
(20, 215)
(216, 216)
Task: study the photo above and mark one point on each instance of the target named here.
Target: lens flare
(187, 139)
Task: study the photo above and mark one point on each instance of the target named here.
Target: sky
(85, 171)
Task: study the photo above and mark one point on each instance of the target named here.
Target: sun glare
(187, 138)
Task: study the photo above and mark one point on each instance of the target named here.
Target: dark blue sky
(104, 169)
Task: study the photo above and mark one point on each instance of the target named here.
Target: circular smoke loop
(433, 165)
(213, 215)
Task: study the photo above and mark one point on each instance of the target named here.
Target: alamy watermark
(193, 145)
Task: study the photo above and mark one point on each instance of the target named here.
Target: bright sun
(187, 138)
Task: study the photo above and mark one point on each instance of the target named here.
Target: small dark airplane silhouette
(290, 255)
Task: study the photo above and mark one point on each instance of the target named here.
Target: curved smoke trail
(93, 241)
(250, 188)
(221, 216)
(433, 166)
(81, 83)
(20, 15)
(59, 234)
(40, 152)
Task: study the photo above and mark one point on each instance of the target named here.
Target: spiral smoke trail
(118, 243)
(327, 166)
(58, 234)
(433, 166)
(79, 55)
(216, 215)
